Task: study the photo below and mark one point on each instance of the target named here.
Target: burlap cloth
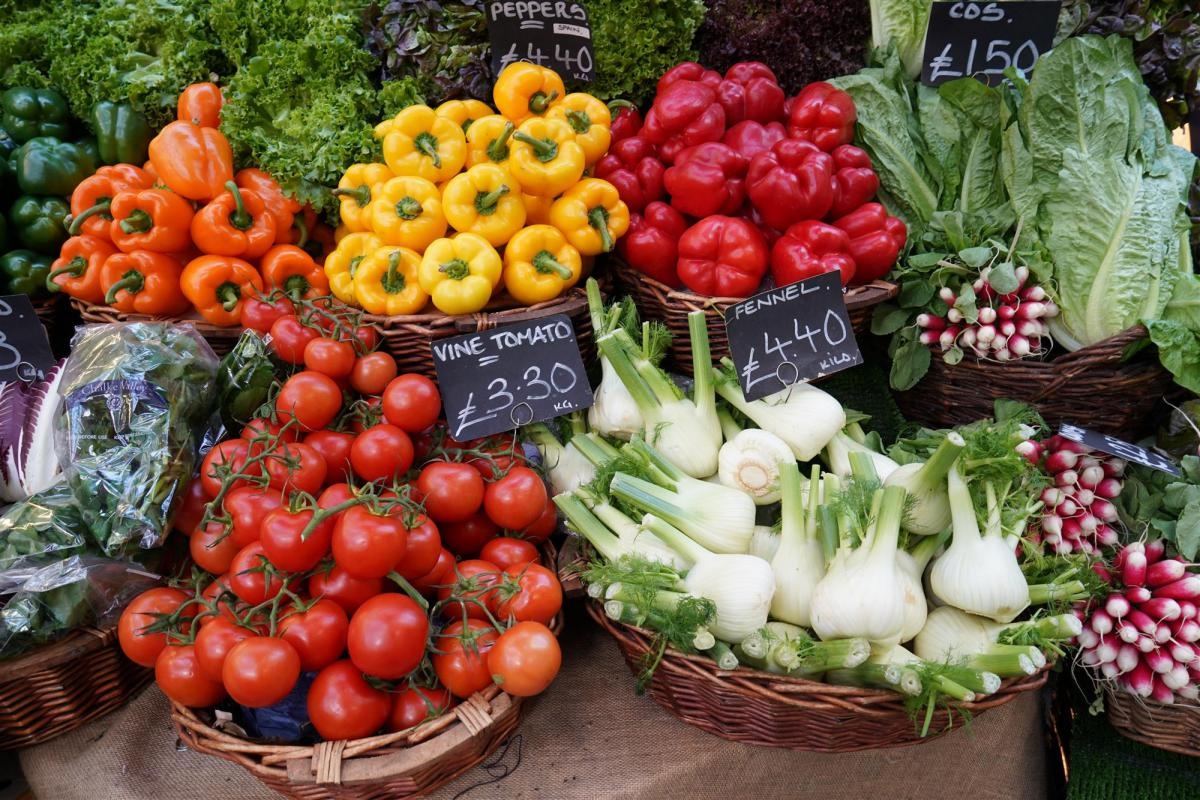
(588, 738)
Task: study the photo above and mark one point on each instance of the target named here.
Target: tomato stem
(409, 590)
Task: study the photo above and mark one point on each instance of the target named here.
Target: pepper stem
(299, 224)
(409, 208)
(497, 149)
(598, 219)
(456, 269)
(360, 194)
(101, 207)
(131, 281)
(74, 268)
(240, 218)
(229, 294)
(393, 280)
(616, 105)
(545, 263)
(580, 121)
(487, 203)
(295, 287)
(540, 101)
(545, 149)
(137, 222)
(425, 142)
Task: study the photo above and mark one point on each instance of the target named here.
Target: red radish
(1164, 572)
(1134, 571)
(1116, 606)
(1185, 589)
(1162, 608)
(1161, 694)
(1137, 594)
(1155, 550)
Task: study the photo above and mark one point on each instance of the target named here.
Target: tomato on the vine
(366, 414)
(423, 546)
(506, 551)
(343, 588)
(334, 495)
(473, 585)
(312, 398)
(289, 337)
(414, 705)
(334, 447)
(383, 451)
(453, 492)
(284, 541)
(191, 510)
(538, 596)
(387, 636)
(412, 402)
(318, 634)
(137, 643)
(342, 705)
(441, 574)
(368, 338)
(368, 545)
(225, 457)
(264, 431)
(460, 656)
(543, 526)
(247, 506)
(260, 315)
(250, 575)
(220, 600)
(295, 468)
(372, 373)
(212, 548)
(329, 357)
(525, 659)
(213, 643)
(260, 671)
(516, 500)
(468, 537)
(178, 674)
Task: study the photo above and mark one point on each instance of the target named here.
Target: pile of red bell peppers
(727, 178)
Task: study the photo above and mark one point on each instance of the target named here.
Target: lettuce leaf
(903, 23)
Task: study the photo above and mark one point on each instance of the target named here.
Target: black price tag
(500, 379)
(791, 334)
(549, 34)
(25, 353)
(981, 40)
(1116, 447)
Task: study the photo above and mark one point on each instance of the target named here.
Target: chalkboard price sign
(791, 334)
(497, 380)
(982, 40)
(1116, 447)
(550, 34)
(24, 349)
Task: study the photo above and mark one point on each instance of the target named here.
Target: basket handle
(326, 766)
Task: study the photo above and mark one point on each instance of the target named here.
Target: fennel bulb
(925, 483)
(837, 456)
(614, 411)
(799, 563)
(862, 593)
(915, 606)
(750, 462)
(764, 542)
(952, 635)
(978, 573)
(567, 468)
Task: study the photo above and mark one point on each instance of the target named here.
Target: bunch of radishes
(1077, 511)
(1145, 636)
(1005, 326)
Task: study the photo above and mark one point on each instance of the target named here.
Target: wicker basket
(671, 306)
(60, 686)
(1090, 386)
(761, 708)
(1175, 728)
(220, 339)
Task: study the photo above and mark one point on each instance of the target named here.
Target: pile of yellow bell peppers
(470, 202)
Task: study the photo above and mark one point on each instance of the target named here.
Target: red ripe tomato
(329, 357)
(318, 634)
(247, 506)
(416, 704)
(367, 545)
(453, 492)
(249, 577)
(343, 588)
(334, 495)
(342, 705)
(259, 315)
(260, 671)
(178, 674)
(387, 636)
(214, 642)
(289, 337)
(285, 545)
(383, 451)
(538, 599)
(472, 580)
(365, 414)
(544, 525)
(460, 656)
(412, 402)
(424, 442)
(516, 500)
(296, 468)
(467, 538)
(334, 447)
(312, 398)
(224, 457)
(525, 659)
(213, 548)
(220, 601)
(506, 552)
(372, 373)
(441, 574)
(139, 645)
(368, 338)
(422, 549)
(191, 510)
(264, 431)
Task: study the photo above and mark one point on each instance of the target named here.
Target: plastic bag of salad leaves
(47, 526)
(137, 399)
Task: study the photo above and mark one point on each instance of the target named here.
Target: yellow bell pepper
(423, 144)
(591, 215)
(485, 199)
(590, 119)
(407, 212)
(525, 90)
(342, 264)
(386, 282)
(540, 264)
(537, 209)
(488, 140)
(464, 112)
(341, 232)
(546, 160)
(356, 190)
(383, 129)
(460, 274)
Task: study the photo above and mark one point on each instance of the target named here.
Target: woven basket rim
(75, 644)
(1144, 720)
(107, 314)
(1107, 349)
(501, 308)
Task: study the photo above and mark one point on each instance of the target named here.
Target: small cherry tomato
(291, 544)
(246, 507)
(367, 545)
(537, 599)
(213, 643)
(259, 315)
(295, 468)
(422, 548)
(453, 492)
(212, 548)
(265, 431)
(224, 458)
(250, 577)
(368, 338)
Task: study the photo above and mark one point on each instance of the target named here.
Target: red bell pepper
(651, 245)
(876, 240)
(626, 120)
(824, 115)
(750, 138)
(633, 167)
(688, 71)
(684, 114)
(723, 257)
(792, 181)
(751, 91)
(854, 181)
(770, 235)
(808, 249)
(707, 179)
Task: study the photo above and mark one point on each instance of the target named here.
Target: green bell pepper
(27, 113)
(3, 234)
(38, 222)
(122, 132)
(25, 272)
(8, 178)
(45, 165)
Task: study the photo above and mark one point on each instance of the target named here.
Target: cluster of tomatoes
(344, 537)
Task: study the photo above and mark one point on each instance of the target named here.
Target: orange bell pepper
(76, 271)
(292, 270)
(200, 104)
(92, 198)
(282, 207)
(236, 223)
(152, 219)
(218, 285)
(192, 161)
(144, 282)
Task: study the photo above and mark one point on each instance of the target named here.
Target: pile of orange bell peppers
(184, 231)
